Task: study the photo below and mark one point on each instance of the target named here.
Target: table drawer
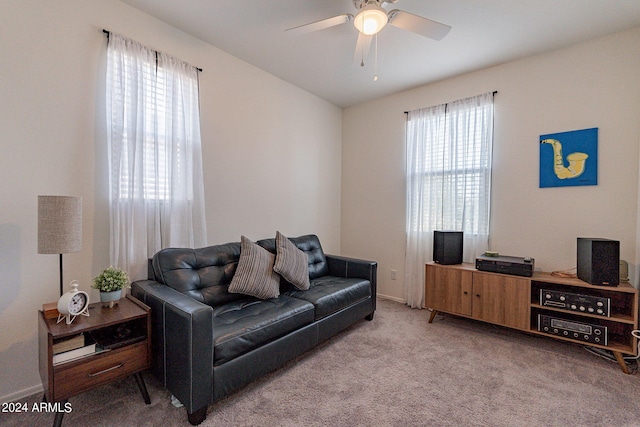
(79, 376)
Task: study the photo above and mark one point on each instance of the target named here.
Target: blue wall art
(569, 158)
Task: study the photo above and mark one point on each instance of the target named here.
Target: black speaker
(447, 247)
(599, 261)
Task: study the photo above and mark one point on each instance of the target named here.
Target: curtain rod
(107, 32)
(494, 92)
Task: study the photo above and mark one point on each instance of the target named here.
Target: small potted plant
(110, 283)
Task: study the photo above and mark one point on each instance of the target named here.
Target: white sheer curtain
(448, 168)
(155, 167)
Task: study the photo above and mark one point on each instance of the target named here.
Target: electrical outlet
(394, 274)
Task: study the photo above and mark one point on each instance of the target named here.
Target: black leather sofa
(208, 342)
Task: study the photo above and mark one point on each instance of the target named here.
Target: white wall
(593, 84)
(271, 153)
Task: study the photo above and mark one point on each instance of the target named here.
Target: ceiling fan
(372, 18)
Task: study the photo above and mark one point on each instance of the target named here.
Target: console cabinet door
(448, 289)
(501, 299)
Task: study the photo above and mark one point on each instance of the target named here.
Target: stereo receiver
(576, 302)
(595, 334)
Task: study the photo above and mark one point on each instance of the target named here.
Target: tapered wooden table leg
(142, 387)
(433, 315)
(621, 362)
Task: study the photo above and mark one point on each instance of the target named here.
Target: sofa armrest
(346, 267)
(182, 342)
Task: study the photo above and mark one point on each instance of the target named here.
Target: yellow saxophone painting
(578, 168)
(576, 161)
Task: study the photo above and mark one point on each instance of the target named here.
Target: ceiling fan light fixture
(371, 19)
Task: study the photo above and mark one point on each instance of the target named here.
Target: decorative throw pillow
(254, 274)
(291, 263)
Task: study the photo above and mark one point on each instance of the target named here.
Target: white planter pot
(109, 299)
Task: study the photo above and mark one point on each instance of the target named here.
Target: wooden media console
(601, 317)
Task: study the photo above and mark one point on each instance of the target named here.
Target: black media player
(506, 265)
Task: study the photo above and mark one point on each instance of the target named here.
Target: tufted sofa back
(204, 274)
(310, 244)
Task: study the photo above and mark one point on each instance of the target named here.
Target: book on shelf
(67, 344)
(74, 354)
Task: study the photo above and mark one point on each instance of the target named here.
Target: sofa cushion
(309, 244)
(291, 263)
(243, 325)
(254, 275)
(203, 274)
(330, 294)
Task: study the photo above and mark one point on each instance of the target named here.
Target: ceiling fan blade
(418, 24)
(363, 45)
(321, 25)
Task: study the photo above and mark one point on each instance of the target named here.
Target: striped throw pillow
(254, 274)
(291, 263)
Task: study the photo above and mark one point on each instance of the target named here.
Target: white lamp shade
(371, 19)
(59, 224)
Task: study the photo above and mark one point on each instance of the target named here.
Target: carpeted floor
(397, 370)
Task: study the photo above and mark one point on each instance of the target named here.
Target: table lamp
(59, 226)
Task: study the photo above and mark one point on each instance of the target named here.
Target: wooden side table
(123, 348)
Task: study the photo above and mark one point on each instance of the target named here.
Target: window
(153, 145)
(448, 179)
(457, 177)
(156, 188)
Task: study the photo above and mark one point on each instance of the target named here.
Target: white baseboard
(21, 394)
(389, 297)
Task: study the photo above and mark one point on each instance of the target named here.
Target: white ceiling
(484, 33)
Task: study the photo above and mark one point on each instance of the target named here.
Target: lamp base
(50, 310)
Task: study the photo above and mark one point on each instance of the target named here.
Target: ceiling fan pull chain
(375, 71)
